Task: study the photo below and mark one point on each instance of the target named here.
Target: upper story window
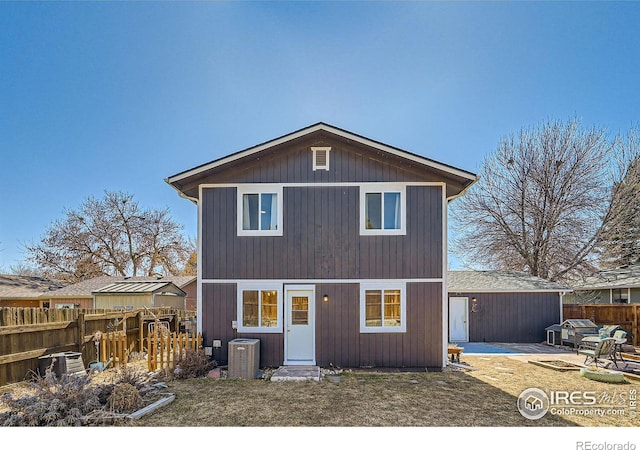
(320, 158)
(259, 210)
(382, 209)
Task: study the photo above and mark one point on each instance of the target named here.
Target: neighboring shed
(80, 295)
(138, 294)
(26, 292)
(615, 286)
(502, 306)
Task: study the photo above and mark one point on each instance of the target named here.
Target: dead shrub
(193, 364)
(125, 398)
(52, 402)
(135, 376)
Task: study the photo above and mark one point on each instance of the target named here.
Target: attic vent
(320, 158)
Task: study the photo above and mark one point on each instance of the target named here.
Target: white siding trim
(199, 266)
(325, 184)
(320, 281)
(445, 271)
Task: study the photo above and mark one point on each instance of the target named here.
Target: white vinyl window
(382, 209)
(259, 308)
(383, 308)
(259, 210)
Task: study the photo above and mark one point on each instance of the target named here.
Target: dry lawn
(484, 397)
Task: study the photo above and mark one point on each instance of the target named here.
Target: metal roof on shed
(134, 287)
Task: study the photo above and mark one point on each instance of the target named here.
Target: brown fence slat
(625, 316)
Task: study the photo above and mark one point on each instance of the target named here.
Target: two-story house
(329, 247)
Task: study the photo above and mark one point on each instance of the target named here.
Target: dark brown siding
(321, 238)
(218, 311)
(512, 317)
(338, 338)
(292, 163)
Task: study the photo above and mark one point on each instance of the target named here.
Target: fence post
(103, 348)
(81, 332)
(635, 325)
(141, 331)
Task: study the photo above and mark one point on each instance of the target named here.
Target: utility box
(244, 358)
(65, 363)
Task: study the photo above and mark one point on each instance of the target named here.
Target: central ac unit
(244, 358)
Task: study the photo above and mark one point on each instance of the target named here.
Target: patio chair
(603, 351)
(620, 337)
(620, 334)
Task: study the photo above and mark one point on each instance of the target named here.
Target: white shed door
(458, 319)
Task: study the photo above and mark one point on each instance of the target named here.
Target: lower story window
(382, 308)
(259, 309)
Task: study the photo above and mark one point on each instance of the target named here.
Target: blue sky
(99, 96)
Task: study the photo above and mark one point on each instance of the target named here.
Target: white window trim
(266, 286)
(382, 286)
(316, 166)
(259, 189)
(382, 188)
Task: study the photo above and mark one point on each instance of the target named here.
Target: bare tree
(110, 236)
(25, 270)
(620, 241)
(542, 202)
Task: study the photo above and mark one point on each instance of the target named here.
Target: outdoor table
(616, 354)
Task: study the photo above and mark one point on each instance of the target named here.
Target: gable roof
(87, 287)
(136, 287)
(618, 278)
(17, 287)
(499, 281)
(179, 180)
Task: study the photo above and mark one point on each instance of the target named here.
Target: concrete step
(296, 373)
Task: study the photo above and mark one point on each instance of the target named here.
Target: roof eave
(321, 126)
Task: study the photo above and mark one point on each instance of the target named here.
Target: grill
(573, 330)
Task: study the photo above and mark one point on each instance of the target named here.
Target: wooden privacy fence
(165, 349)
(625, 316)
(26, 334)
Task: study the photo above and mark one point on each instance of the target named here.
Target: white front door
(299, 340)
(458, 326)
